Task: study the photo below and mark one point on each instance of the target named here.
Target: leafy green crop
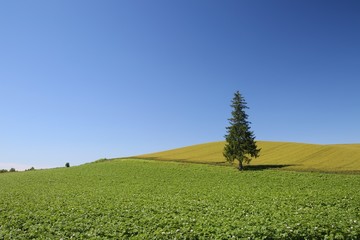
(161, 200)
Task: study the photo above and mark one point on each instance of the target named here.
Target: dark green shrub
(12, 170)
(101, 160)
(67, 164)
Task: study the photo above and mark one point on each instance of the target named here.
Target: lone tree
(240, 141)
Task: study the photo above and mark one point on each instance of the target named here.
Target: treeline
(5, 170)
(14, 170)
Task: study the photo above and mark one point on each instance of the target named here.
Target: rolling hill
(288, 155)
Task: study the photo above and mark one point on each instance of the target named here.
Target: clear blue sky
(82, 80)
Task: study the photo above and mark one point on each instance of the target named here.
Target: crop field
(292, 156)
(142, 199)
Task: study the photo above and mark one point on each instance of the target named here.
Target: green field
(291, 156)
(144, 199)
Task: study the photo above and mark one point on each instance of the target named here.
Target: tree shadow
(260, 167)
(265, 167)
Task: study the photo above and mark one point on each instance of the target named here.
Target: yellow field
(295, 156)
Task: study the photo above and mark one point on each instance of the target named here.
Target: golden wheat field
(289, 155)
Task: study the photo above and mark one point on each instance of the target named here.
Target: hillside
(296, 156)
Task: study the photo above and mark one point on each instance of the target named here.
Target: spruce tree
(240, 140)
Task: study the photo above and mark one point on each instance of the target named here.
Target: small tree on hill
(240, 141)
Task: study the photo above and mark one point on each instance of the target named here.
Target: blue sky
(82, 80)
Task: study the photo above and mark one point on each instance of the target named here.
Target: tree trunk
(241, 167)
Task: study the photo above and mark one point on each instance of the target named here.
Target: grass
(138, 199)
(291, 156)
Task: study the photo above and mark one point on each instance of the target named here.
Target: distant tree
(12, 170)
(240, 141)
(3, 170)
(67, 164)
